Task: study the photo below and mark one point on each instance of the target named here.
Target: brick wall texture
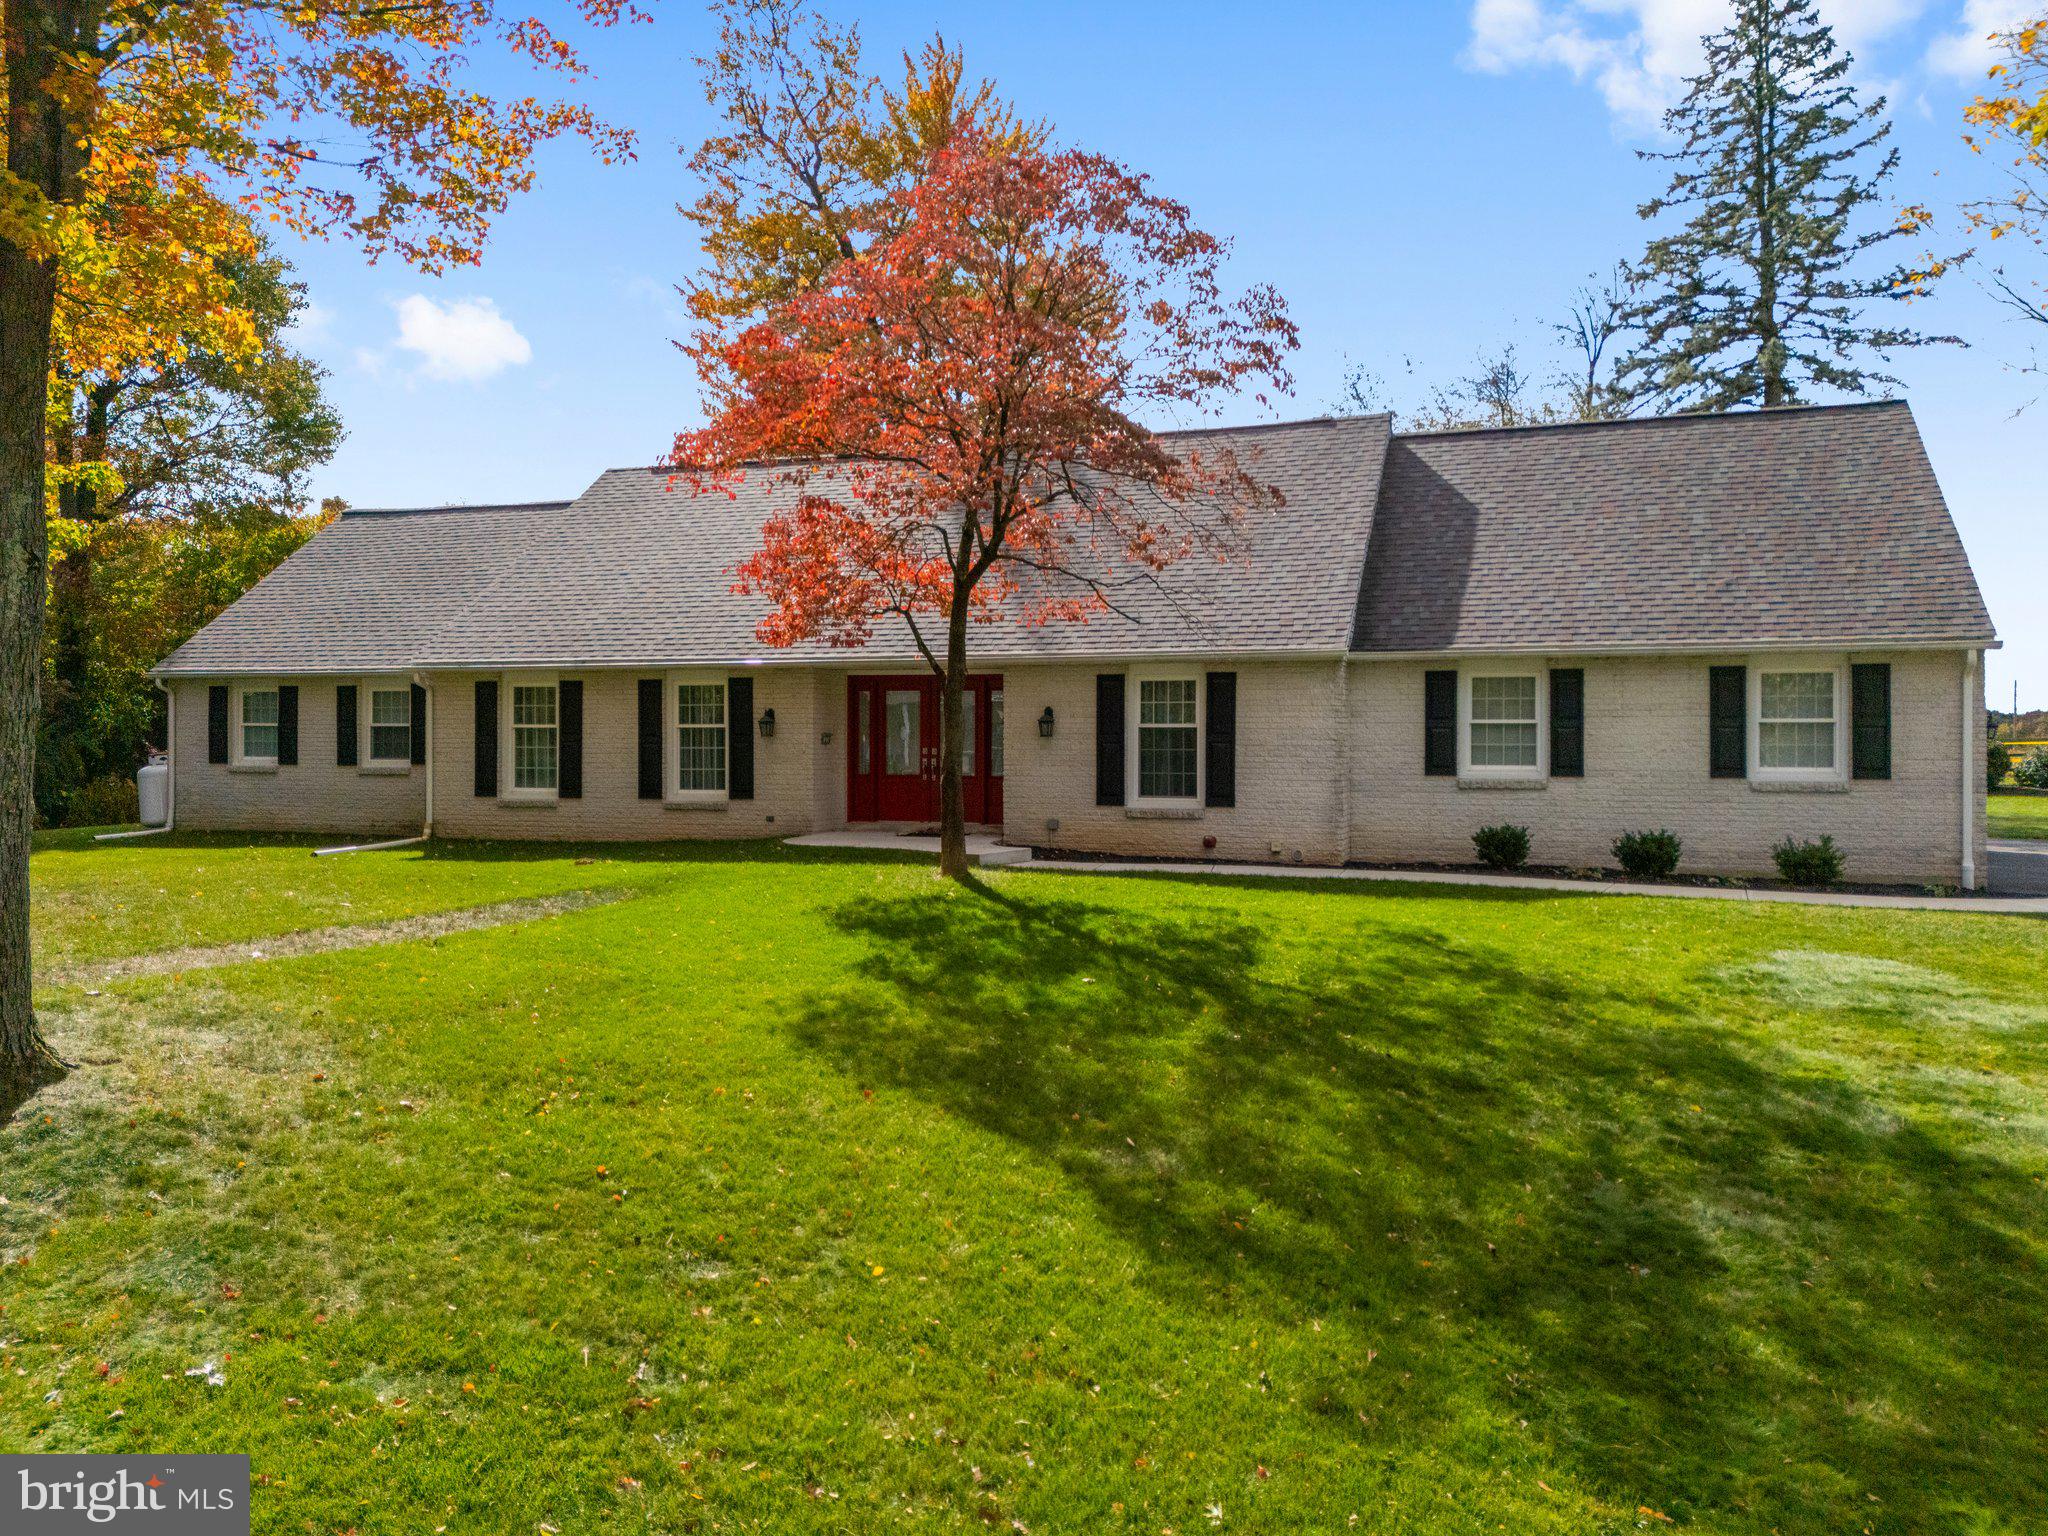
(1329, 770)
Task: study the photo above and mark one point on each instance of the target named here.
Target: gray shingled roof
(1813, 525)
(362, 594)
(634, 572)
(1820, 525)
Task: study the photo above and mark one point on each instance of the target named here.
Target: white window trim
(671, 744)
(237, 757)
(1133, 679)
(366, 755)
(1507, 667)
(1757, 667)
(506, 683)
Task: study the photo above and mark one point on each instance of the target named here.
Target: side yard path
(321, 941)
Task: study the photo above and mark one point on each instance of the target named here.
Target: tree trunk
(43, 150)
(952, 801)
(27, 301)
(1764, 103)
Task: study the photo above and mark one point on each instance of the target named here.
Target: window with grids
(995, 734)
(1504, 722)
(1796, 721)
(535, 741)
(259, 725)
(390, 725)
(1166, 738)
(700, 738)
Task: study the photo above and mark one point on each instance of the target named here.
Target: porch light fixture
(768, 722)
(1045, 722)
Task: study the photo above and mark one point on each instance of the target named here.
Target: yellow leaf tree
(2011, 123)
(142, 138)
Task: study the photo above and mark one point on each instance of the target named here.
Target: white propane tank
(153, 790)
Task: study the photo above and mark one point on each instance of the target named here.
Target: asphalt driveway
(2019, 867)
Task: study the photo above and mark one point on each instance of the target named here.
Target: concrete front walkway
(987, 851)
(983, 848)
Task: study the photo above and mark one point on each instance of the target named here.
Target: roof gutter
(841, 661)
(1690, 648)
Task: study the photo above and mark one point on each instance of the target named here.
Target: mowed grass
(2017, 813)
(795, 1193)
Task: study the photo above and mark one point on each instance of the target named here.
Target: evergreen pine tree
(1761, 297)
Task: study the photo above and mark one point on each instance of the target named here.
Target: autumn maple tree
(144, 144)
(953, 367)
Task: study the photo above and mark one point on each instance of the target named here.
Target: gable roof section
(1818, 525)
(361, 594)
(636, 572)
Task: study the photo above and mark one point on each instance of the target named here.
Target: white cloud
(464, 340)
(1638, 53)
(1967, 52)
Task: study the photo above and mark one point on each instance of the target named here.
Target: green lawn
(805, 1194)
(2018, 813)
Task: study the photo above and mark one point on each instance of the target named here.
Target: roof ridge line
(461, 506)
(1673, 418)
(1253, 426)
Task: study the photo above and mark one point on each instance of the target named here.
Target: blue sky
(1421, 180)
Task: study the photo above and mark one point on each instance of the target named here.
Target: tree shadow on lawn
(1781, 1302)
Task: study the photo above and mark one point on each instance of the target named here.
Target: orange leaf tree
(2012, 119)
(959, 402)
(141, 140)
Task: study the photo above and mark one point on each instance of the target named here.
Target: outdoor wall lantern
(767, 722)
(1045, 722)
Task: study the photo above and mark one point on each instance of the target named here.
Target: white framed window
(967, 732)
(1164, 760)
(1503, 719)
(387, 721)
(256, 725)
(699, 733)
(1798, 719)
(531, 737)
(995, 734)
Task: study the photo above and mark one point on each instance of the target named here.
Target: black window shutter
(419, 724)
(569, 712)
(487, 738)
(1567, 722)
(1870, 720)
(345, 752)
(1728, 722)
(650, 738)
(1109, 738)
(288, 726)
(1220, 766)
(217, 724)
(1440, 723)
(739, 734)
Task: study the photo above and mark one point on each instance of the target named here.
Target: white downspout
(427, 687)
(170, 773)
(427, 828)
(1973, 779)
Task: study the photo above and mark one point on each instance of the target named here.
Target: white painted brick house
(1738, 627)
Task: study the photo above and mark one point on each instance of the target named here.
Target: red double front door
(892, 749)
